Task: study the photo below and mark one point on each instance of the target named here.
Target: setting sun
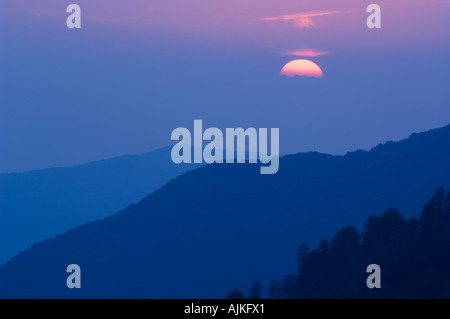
(302, 67)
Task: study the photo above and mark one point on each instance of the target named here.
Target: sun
(302, 67)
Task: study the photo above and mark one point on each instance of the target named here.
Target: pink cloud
(303, 20)
(308, 52)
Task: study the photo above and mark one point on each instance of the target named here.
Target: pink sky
(226, 56)
(273, 26)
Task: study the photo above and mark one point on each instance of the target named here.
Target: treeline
(414, 257)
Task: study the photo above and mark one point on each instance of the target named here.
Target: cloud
(303, 20)
(307, 52)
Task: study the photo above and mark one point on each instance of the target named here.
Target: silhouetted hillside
(40, 204)
(222, 226)
(413, 256)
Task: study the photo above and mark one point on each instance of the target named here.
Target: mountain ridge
(42, 203)
(224, 225)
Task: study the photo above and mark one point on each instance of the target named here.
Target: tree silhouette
(302, 252)
(346, 241)
(288, 286)
(323, 246)
(275, 289)
(256, 291)
(236, 294)
(432, 217)
(414, 256)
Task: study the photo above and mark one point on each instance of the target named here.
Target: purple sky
(138, 69)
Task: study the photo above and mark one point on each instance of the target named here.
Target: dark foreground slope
(40, 204)
(223, 226)
(412, 257)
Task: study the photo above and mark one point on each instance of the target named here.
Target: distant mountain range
(40, 204)
(223, 226)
